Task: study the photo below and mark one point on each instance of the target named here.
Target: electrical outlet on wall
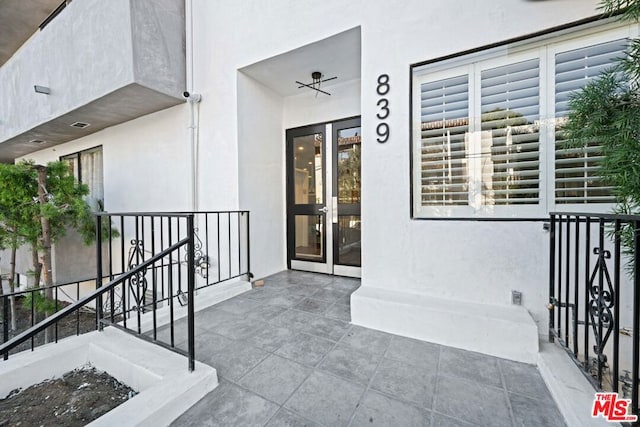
(516, 297)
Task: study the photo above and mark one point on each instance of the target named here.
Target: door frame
(328, 263)
(308, 209)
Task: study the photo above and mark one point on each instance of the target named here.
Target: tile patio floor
(287, 355)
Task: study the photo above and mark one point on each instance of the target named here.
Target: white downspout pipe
(193, 99)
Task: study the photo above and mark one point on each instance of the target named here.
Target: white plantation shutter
(487, 128)
(576, 169)
(444, 112)
(510, 140)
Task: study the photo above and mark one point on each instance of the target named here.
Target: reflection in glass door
(323, 198)
(309, 175)
(347, 195)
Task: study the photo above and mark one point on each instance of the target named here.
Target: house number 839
(382, 130)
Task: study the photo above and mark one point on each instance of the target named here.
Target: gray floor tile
(208, 343)
(311, 279)
(329, 295)
(405, 382)
(470, 365)
(212, 316)
(326, 399)
(367, 340)
(270, 337)
(379, 410)
(285, 300)
(238, 305)
(302, 290)
(322, 382)
(439, 420)
(524, 379)
(236, 328)
(344, 284)
(346, 300)
(350, 364)
(312, 324)
(236, 359)
(327, 328)
(284, 418)
(530, 412)
(260, 294)
(473, 402)
(228, 405)
(339, 311)
(293, 319)
(306, 349)
(266, 312)
(275, 378)
(414, 352)
(311, 305)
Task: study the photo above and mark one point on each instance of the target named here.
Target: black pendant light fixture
(316, 82)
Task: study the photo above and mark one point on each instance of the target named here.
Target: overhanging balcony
(103, 63)
(19, 19)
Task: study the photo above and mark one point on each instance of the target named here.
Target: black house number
(382, 130)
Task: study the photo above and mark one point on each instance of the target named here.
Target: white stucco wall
(146, 160)
(261, 173)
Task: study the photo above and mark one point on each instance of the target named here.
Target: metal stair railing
(131, 275)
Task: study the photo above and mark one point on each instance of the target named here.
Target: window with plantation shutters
(444, 107)
(487, 128)
(576, 180)
(509, 152)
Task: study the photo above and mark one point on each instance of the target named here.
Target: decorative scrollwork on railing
(113, 300)
(137, 283)
(600, 303)
(201, 259)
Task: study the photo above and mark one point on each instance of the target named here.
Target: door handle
(323, 210)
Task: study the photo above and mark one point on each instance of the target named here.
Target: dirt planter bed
(75, 399)
(166, 387)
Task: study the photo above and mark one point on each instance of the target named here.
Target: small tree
(607, 111)
(18, 212)
(37, 205)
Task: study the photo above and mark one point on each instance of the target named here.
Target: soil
(77, 323)
(76, 399)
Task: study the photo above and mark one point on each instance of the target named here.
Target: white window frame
(93, 199)
(545, 48)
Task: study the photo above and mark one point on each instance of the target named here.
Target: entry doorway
(323, 198)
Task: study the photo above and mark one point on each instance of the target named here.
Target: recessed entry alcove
(277, 94)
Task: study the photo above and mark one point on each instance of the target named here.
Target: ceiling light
(80, 125)
(37, 141)
(317, 80)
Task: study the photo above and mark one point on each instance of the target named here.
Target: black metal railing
(221, 248)
(27, 312)
(594, 297)
(150, 265)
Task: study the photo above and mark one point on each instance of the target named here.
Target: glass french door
(323, 198)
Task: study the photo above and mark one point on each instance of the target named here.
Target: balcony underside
(19, 19)
(119, 106)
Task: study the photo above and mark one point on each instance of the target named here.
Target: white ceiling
(337, 55)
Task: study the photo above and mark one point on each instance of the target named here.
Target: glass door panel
(347, 193)
(308, 169)
(349, 240)
(349, 166)
(306, 199)
(309, 230)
